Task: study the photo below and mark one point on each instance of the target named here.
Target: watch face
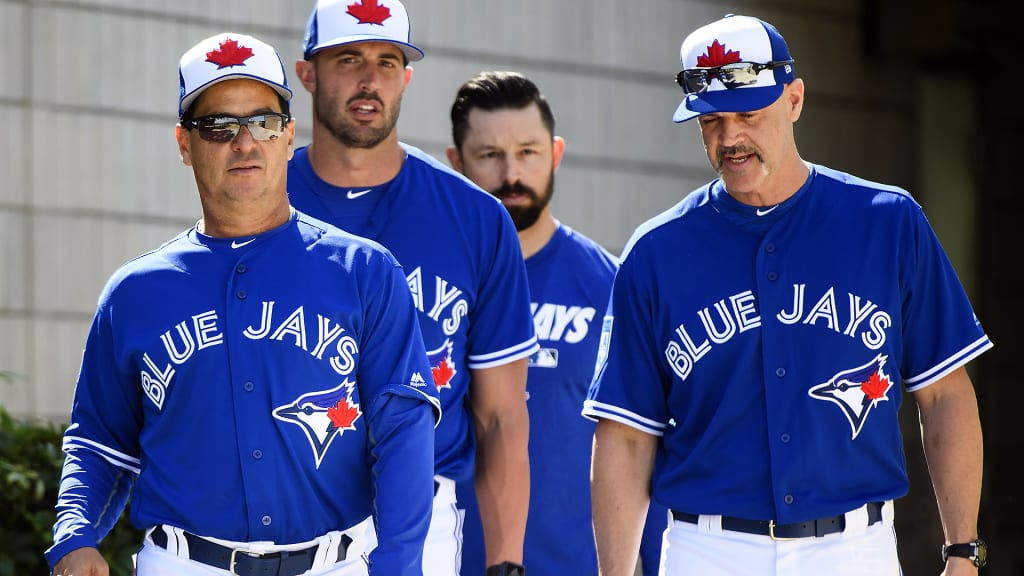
(980, 553)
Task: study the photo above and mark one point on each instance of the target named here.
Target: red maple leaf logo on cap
(369, 12)
(230, 53)
(716, 56)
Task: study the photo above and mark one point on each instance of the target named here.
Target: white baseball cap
(228, 56)
(337, 22)
(734, 39)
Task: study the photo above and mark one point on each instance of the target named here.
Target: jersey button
(770, 248)
(784, 438)
(772, 276)
(788, 498)
(266, 520)
(241, 268)
(257, 454)
(780, 372)
(248, 386)
(242, 294)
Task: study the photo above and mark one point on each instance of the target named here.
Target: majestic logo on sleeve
(856, 391)
(322, 416)
(442, 365)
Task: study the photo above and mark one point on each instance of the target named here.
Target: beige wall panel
(13, 47)
(607, 206)
(111, 163)
(14, 265)
(58, 344)
(15, 156)
(74, 256)
(16, 384)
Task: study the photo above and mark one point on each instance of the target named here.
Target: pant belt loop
(888, 513)
(709, 524)
(326, 550)
(856, 521)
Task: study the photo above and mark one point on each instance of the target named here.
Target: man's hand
(82, 562)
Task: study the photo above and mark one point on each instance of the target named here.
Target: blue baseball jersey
(463, 266)
(770, 348)
(570, 282)
(269, 388)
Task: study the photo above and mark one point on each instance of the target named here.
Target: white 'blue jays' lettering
(203, 332)
(557, 322)
(738, 313)
(446, 297)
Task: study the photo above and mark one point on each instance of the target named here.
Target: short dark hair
(496, 90)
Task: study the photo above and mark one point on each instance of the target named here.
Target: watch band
(976, 551)
(506, 569)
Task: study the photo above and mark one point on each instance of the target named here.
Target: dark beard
(355, 135)
(525, 216)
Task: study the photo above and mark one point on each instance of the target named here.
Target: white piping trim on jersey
(595, 409)
(952, 363)
(116, 458)
(505, 356)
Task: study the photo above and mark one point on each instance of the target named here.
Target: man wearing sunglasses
(760, 339)
(460, 252)
(259, 382)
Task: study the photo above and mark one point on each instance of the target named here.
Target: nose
(731, 131)
(243, 140)
(510, 169)
(368, 78)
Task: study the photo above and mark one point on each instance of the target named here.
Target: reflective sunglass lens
(736, 75)
(224, 128)
(218, 131)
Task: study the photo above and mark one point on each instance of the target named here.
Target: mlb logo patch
(544, 358)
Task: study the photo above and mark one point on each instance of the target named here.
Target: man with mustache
(504, 134)
(460, 253)
(760, 339)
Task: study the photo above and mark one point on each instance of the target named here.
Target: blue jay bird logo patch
(856, 391)
(322, 416)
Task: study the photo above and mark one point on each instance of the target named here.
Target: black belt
(245, 563)
(819, 527)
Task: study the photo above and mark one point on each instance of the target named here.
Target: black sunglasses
(224, 128)
(732, 75)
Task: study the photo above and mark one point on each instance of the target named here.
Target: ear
(795, 94)
(408, 76)
(291, 138)
(181, 135)
(557, 149)
(454, 158)
(305, 71)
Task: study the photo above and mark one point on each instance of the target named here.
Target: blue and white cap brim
(742, 99)
(411, 52)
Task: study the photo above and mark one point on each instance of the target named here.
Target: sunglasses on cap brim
(732, 75)
(224, 128)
